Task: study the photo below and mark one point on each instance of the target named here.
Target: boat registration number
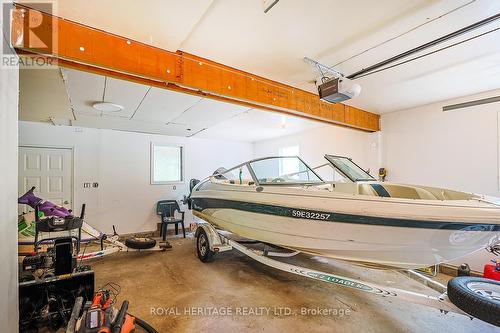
(304, 214)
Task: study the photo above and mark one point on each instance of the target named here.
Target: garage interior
(174, 137)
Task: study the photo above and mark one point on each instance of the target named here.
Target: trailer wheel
(139, 243)
(203, 247)
(478, 297)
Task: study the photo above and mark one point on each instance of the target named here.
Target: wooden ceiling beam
(78, 46)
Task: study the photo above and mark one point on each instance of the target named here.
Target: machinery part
(97, 315)
(48, 302)
(338, 89)
(120, 319)
(64, 259)
(205, 254)
(75, 313)
(101, 316)
(37, 261)
(478, 297)
(140, 243)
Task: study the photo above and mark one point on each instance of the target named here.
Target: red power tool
(100, 316)
(492, 271)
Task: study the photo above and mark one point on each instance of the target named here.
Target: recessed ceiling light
(107, 107)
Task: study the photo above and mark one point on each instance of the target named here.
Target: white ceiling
(153, 110)
(42, 95)
(239, 34)
(255, 125)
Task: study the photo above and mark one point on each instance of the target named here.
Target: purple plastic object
(47, 207)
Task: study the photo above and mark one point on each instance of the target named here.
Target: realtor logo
(27, 27)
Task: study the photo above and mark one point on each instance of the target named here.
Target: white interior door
(50, 170)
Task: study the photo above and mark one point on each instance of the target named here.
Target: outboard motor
(192, 183)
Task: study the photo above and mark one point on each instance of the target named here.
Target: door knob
(66, 202)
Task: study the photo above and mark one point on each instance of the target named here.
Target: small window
(166, 164)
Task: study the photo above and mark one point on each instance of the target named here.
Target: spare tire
(478, 297)
(140, 243)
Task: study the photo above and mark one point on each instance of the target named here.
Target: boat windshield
(348, 168)
(283, 170)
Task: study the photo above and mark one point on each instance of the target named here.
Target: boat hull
(356, 236)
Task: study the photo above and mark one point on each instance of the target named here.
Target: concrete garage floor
(163, 286)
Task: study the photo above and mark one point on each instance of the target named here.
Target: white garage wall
(456, 149)
(120, 163)
(9, 93)
(362, 147)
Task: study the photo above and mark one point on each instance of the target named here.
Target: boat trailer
(210, 241)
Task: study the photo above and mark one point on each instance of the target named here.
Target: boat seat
(409, 192)
(366, 189)
(396, 191)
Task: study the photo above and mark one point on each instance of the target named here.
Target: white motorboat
(282, 201)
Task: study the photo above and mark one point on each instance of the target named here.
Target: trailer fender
(214, 239)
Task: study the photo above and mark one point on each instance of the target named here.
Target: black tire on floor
(203, 247)
(139, 243)
(478, 297)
